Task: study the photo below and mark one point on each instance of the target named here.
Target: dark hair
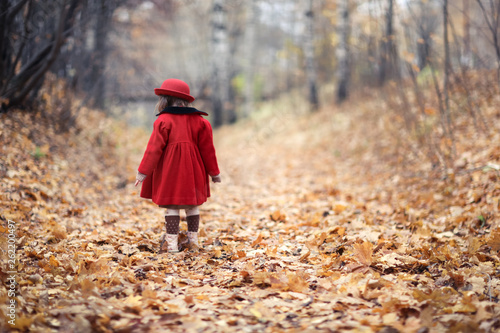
(166, 101)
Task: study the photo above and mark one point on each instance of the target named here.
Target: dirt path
(299, 236)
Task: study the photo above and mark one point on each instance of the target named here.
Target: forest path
(311, 230)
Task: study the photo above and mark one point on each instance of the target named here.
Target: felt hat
(176, 88)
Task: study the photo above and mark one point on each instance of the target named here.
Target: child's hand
(139, 178)
(216, 179)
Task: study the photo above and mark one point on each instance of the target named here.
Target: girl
(179, 157)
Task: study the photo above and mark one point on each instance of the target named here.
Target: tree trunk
(291, 56)
(343, 70)
(38, 48)
(387, 47)
(220, 60)
(309, 54)
(446, 65)
(467, 51)
(4, 56)
(250, 44)
(492, 18)
(103, 12)
(446, 83)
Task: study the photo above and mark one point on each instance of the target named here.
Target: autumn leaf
(494, 240)
(297, 282)
(59, 232)
(88, 287)
(363, 252)
(339, 207)
(257, 241)
(54, 262)
(278, 216)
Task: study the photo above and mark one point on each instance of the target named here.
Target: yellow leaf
(54, 262)
(256, 313)
(278, 216)
(203, 297)
(463, 308)
(297, 283)
(257, 241)
(390, 318)
(22, 322)
(339, 208)
(133, 302)
(304, 256)
(364, 252)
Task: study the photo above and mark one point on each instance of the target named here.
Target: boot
(172, 234)
(172, 246)
(193, 240)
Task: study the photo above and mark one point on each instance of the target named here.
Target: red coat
(179, 157)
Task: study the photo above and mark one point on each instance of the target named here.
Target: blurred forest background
(427, 58)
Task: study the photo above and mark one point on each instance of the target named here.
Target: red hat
(176, 88)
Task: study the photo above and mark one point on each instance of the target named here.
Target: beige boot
(172, 234)
(172, 245)
(193, 240)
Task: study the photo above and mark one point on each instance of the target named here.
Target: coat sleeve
(207, 149)
(154, 149)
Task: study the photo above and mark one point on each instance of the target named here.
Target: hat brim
(189, 98)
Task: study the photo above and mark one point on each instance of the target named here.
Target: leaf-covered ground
(318, 226)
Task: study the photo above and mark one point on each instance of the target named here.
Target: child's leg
(172, 220)
(193, 222)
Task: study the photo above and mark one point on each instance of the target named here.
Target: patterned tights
(172, 220)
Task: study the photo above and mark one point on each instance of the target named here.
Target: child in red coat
(179, 158)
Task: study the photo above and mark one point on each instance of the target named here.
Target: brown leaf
(278, 216)
(494, 240)
(257, 241)
(339, 207)
(59, 232)
(364, 252)
(297, 282)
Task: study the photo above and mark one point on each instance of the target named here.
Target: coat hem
(176, 202)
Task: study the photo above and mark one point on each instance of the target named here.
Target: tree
(221, 85)
(426, 22)
(387, 49)
(104, 10)
(29, 46)
(466, 58)
(66, 37)
(492, 17)
(447, 72)
(309, 54)
(343, 70)
(250, 44)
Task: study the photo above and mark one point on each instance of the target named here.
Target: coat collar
(181, 110)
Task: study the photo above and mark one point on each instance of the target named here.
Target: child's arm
(139, 178)
(154, 149)
(216, 179)
(207, 150)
